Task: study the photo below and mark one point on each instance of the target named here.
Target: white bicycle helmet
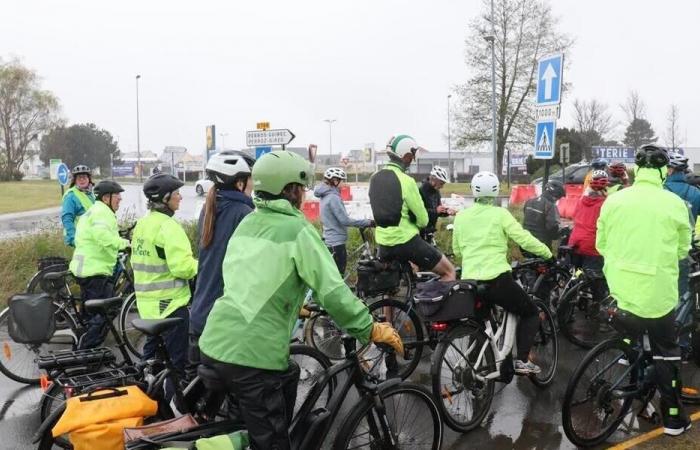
(677, 161)
(335, 172)
(439, 173)
(401, 145)
(485, 184)
(223, 168)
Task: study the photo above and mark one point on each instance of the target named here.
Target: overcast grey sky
(378, 67)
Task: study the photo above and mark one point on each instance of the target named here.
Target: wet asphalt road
(522, 416)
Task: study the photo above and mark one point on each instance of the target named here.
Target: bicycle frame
(506, 329)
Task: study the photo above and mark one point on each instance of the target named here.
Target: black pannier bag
(31, 318)
(444, 301)
(375, 277)
(385, 198)
(49, 261)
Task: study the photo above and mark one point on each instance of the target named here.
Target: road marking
(647, 436)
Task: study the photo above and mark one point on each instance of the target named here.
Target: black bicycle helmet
(105, 187)
(651, 156)
(555, 188)
(80, 168)
(693, 179)
(159, 187)
(599, 164)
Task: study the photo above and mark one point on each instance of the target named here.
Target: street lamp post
(330, 133)
(492, 40)
(138, 131)
(449, 141)
(223, 140)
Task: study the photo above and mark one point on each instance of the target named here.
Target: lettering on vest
(140, 249)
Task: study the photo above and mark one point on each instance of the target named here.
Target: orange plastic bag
(97, 420)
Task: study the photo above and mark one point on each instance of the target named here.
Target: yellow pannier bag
(97, 420)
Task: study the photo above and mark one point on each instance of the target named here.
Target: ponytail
(209, 218)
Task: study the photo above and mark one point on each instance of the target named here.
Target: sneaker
(526, 367)
(675, 426)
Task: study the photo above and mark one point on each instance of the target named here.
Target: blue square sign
(545, 133)
(259, 151)
(549, 79)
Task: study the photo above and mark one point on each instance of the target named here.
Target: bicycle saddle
(155, 327)
(53, 276)
(103, 304)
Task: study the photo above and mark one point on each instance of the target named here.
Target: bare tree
(25, 112)
(593, 122)
(524, 32)
(672, 131)
(634, 106)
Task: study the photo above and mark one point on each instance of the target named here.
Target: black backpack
(385, 198)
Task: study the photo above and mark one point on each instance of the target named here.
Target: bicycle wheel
(19, 361)
(690, 372)
(312, 364)
(545, 351)
(385, 363)
(594, 404)
(463, 395)
(410, 413)
(321, 333)
(133, 338)
(34, 286)
(583, 320)
(48, 442)
(51, 400)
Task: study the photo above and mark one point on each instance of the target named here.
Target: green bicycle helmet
(274, 170)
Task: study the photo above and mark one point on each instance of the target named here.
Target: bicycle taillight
(439, 326)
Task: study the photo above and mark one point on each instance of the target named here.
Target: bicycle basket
(31, 318)
(373, 277)
(48, 261)
(444, 301)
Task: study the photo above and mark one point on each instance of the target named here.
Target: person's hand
(451, 211)
(441, 209)
(383, 333)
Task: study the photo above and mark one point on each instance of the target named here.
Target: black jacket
(431, 200)
(542, 219)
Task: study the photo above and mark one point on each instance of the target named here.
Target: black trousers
(667, 358)
(340, 256)
(599, 286)
(92, 288)
(505, 292)
(266, 400)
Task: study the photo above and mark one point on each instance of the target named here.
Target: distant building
(463, 164)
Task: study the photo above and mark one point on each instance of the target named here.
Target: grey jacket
(334, 218)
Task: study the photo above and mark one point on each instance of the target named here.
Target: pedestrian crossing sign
(545, 134)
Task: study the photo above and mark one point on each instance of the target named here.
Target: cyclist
(541, 216)
(582, 237)
(163, 264)
(617, 177)
(334, 217)
(430, 193)
(226, 205)
(399, 212)
(676, 182)
(97, 243)
(273, 257)
(78, 199)
(480, 239)
(643, 231)
(596, 164)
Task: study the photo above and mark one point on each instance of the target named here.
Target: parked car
(575, 174)
(202, 186)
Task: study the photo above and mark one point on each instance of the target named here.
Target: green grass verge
(29, 195)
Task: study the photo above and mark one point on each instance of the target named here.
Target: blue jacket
(70, 211)
(231, 208)
(334, 218)
(676, 184)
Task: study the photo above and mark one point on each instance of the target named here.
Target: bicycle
(388, 415)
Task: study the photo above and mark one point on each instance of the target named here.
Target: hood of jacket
(323, 189)
(227, 198)
(591, 200)
(279, 205)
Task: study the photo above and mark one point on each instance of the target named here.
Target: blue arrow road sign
(259, 151)
(549, 79)
(545, 133)
(63, 174)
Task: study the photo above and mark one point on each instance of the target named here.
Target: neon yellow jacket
(412, 202)
(480, 239)
(97, 242)
(643, 231)
(162, 260)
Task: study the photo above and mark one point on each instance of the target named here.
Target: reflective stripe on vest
(150, 268)
(158, 285)
(78, 272)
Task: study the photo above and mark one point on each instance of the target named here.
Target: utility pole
(138, 131)
(449, 141)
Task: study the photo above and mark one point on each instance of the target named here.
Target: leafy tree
(522, 31)
(569, 136)
(80, 144)
(26, 111)
(639, 132)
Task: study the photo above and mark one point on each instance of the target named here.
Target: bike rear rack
(62, 360)
(111, 377)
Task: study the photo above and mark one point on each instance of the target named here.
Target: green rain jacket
(643, 231)
(97, 242)
(412, 203)
(480, 239)
(274, 256)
